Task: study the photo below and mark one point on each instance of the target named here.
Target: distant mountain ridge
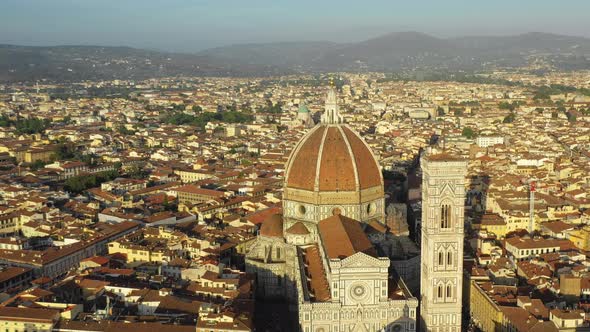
(401, 50)
(78, 63)
(390, 52)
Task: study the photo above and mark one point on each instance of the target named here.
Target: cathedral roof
(298, 229)
(318, 282)
(331, 157)
(272, 226)
(343, 237)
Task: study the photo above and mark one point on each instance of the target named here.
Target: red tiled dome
(332, 158)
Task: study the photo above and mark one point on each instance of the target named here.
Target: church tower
(443, 200)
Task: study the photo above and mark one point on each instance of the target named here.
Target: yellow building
(136, 253)
(484, 311)
(16, 319)
(492, 223)
(44, 154)
(149, 245)
(189, 175)
(194, 195)
(581, 238)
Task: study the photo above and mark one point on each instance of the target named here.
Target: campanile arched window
(445, 216)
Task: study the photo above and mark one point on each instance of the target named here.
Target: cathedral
(324, 254)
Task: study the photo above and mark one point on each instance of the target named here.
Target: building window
(449, 292)
(440, 291)
(371, 209)
(445, 216)
(440, 258)
(301, 210)
(449, 258)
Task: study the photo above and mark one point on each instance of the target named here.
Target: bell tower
(443, 201)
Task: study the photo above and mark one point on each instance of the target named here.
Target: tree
(468, 132)
(38, 164)
(571, 117)
(506, 106)
(65, 151)
(509, 118)
(123, 130)
(197, 109)
(78, 184)
(26, 126)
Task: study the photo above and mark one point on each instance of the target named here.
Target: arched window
(278, 253)
(449, 258)
(449, 290)
(440, 291)
(440, 258)
(445, 216)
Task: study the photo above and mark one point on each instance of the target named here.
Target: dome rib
(304, 178)
(351, 153)
(316, 182)
(369, 173)
(336, 171)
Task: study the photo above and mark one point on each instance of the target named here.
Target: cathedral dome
(332, 158)
(332, 171)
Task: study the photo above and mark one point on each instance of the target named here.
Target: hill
(407, 50)
(391, 52)
(77, 63)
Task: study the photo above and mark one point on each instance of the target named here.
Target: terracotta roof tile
(345, 161)
(273, 226)
(343, 237)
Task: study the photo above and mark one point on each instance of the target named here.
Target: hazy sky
(191, 25)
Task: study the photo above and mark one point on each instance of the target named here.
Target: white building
(485, 141)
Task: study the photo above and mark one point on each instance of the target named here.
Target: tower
(331, 114)
(443, 200)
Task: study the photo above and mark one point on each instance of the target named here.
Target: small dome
(272, 226)
(303, 108)
(298, 229)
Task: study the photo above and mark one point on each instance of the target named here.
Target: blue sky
(185, 25)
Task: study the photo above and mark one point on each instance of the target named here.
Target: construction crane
(532, 189)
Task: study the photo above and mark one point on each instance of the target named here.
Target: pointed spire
(331, 114)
